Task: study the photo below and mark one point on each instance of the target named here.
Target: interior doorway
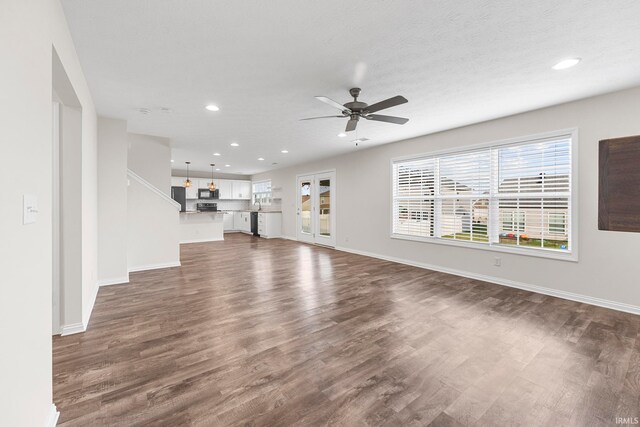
(66, 204)
(55, 219)
(316, 208)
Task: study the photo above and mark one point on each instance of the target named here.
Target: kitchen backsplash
(223, 205)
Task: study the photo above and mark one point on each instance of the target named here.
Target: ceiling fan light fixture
(566, 63)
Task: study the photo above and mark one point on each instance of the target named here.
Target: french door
(316, 208)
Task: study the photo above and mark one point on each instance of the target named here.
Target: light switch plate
(30, 205)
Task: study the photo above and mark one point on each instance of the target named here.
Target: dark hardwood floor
(276, 333)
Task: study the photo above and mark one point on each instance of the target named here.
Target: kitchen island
(201, 226)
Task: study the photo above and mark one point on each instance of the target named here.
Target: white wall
(150, 157)
(112, 201)
(28, 31)
(608, 267)
(153, 238)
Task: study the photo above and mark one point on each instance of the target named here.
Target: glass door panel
(316, 208)
(305, 209)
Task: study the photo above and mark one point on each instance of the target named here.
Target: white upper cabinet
(224, 185)
(192, 192)
(242, 190)
(204, 183)
(228, 189)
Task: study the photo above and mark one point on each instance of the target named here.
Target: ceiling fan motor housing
(355, 105)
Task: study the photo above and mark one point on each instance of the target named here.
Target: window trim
(573, 220)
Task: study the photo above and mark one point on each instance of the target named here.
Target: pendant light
(187, 183)
(212, 185)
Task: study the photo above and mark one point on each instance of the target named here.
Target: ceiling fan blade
(333, 103)
(351, 125)
(387, 103)
(323, 117)
(388, 119)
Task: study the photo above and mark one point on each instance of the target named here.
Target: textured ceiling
(263, 61)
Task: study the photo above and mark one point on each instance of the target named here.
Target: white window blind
(414, 197)
(517, 194)
(262, 192)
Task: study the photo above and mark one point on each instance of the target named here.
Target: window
(514, 195)
(513, 221)
(262, 192)
(557, 223)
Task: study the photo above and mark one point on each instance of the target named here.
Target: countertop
(201, 212)
(248, 210)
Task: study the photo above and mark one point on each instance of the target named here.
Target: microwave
(205, 193)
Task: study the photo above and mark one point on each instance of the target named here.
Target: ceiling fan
(356, 110)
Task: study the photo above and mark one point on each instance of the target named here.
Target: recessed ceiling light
(212, 107)
(171, 160)
(218, 169)
(360, 140)
(216, 154)
(260, 158)
(566, 63)
(226, 166)
(234, 144)
(342, 135)
(284, 151)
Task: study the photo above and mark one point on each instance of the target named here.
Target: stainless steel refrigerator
(179, 194)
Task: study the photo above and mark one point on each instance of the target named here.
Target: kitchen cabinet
(228, 189)
(204, 183)
(226, 192)
(246, 223)
(228, 221)
(242, 221)
(241, 190)
(192, 192)
(269, 224)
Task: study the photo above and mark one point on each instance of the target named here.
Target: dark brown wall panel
(619, 187)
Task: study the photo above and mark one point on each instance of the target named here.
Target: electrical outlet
(497, 261)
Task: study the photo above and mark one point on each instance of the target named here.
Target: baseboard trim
(200, 241)
(154, 266)
(74, 328)
(114, 281)
(54, 414)
(613, 305)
